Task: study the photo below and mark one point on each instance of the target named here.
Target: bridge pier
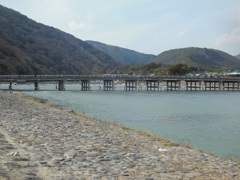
(152, 85)
(173, 84)
(193, 84)
(130, 85)
(36, 87)
(61, 86)
(108, 85)
(230, 85)
(212, 85)
(10, 86)
(85, 85)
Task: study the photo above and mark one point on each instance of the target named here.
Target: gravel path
(39, 141)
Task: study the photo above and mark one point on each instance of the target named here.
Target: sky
(146, 26)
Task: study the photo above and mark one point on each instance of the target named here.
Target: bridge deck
(152, 82)
(42, 78)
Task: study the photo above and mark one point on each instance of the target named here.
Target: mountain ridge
(198, 57)
(122, 55)
(29, 47)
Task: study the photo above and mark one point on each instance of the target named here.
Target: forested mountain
(122, 55)
(198, 57)
(28, 47)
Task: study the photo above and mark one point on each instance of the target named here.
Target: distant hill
(28, 47)
(198, 57)
(238, 56)
(122, 55)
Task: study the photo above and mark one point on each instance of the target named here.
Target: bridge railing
(112, 77)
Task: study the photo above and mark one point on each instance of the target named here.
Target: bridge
(132, 82)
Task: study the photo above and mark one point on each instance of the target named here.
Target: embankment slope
(40, 141)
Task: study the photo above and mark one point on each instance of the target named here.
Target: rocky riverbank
(39, 141)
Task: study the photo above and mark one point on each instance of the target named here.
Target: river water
(201, 119)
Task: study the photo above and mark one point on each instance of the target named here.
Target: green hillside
(198, 57)
(123, 55)
(28, 47)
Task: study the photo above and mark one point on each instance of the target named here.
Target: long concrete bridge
(132, 83)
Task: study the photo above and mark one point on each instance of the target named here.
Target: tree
(178, 69)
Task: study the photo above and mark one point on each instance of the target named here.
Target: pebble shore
(41, 142)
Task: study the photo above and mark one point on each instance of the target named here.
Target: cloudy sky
(148, 26)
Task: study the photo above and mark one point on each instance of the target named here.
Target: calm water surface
(208, 120)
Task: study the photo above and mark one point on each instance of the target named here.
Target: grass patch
(35, 99)
(126, 128)
(39, 100)
(199, 150)
(232, 158)
(43, 101)
(166, 142)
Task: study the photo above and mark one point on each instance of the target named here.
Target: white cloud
(181, 33)
(74, 26)
(230, 38)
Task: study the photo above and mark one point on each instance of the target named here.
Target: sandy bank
(38, 141)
